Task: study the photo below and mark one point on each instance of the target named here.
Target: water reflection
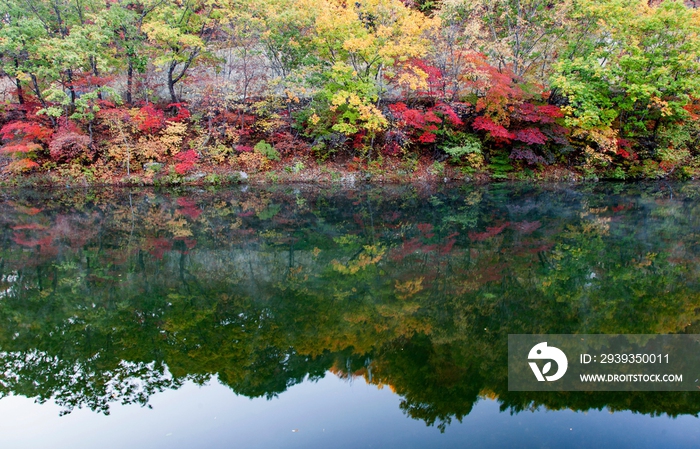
(110, 296)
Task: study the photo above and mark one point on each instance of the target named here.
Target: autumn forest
(153, 91)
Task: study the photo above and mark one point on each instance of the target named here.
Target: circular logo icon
(543, 352)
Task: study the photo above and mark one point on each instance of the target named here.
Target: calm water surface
(299, 317)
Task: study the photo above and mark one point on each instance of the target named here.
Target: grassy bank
(298, 170)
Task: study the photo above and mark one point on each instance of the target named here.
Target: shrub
(149, 119)
(28, 131)
(424, 127)
(500, 164)
(267, 150)
(470, 145)
(67, 146)
(437, 168)
(22, 165)
(23, 143)
(186, 161)
(172, 136)
(182, 112)
(286, 143)
(253, 162)
(218, 153)
(527, 155)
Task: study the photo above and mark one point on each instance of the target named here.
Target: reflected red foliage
(157, 247)
(29, 226)
(189, 208)
(490, 232)
(526, 227)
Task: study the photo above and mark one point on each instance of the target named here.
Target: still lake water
(302, 317)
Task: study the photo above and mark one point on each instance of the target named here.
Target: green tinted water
(117, 297)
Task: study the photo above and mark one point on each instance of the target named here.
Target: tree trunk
(20, 93)
(37, 92)
(96, 72)
(171, 83)
(71, 89)
(129, 82)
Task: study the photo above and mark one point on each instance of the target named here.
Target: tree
(21, 34)
(371, 37)
(634, 72)
(125, 21)
(179, 33)
(523, 36)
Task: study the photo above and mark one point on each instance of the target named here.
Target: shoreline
(322, 174)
